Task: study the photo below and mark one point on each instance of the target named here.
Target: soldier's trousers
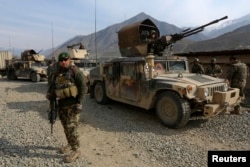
(70, 120)
(241, 86)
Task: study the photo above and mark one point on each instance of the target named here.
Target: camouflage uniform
(198, 68)
(68, 112)
(237, 75)
(213, 70)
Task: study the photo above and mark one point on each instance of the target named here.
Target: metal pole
(95, 35)
(52, 41)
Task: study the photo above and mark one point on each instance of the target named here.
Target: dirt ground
(120, 135)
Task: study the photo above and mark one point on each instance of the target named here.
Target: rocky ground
(111, 135)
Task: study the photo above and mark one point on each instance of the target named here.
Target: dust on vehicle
(156, 80)
(31, 66)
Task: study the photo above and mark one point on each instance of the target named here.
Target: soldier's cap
(213, 59)
(63, 56)
(196, 60)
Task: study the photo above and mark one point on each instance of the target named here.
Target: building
(222, 59)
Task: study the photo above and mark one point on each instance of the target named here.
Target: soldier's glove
(78, 108)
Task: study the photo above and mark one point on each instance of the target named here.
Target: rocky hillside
(237, 39)
(107, 41)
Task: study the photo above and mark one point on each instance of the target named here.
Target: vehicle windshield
(39, 64)
(170, 66)
(177, 66)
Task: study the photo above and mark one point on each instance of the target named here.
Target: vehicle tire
(100, 93)
(236, 110)
(173, 111)
(91, 92)
(35, 77)
(11, 75)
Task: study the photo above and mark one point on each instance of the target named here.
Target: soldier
(213, 69)
(81, 46)
(68, 86)
(237, 74)
(151, 41)
(197, 67)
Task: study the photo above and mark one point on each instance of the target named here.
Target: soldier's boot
(73, 156)
(65, 149)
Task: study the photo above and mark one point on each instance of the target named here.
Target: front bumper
(221, 101)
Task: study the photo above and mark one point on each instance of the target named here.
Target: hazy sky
(28, 24)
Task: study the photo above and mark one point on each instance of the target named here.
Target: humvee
(159, 81)
(31, 66)
(80, 57)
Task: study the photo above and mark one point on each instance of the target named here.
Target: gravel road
(114, 135)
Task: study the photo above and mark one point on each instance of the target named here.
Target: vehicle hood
(39, 68)
(189, 78)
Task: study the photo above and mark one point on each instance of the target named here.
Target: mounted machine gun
(167, 40)
(134, 39)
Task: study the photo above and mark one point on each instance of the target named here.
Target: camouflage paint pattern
(237, 75)
(70, 120)
(198, 68)
(28, 70)
(213, 70)
(132, 84)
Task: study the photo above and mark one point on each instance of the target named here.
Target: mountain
(107, 40)
(235, 40)
(227, 26)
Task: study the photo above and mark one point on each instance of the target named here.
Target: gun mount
(77, 53)
(32, 55)
(78, 44)
(134, 39)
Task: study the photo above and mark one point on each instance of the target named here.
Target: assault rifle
(167, 40)
(53, 112)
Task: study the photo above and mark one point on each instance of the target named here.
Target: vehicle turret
(32, 55)
(77, 53)
(137, 39)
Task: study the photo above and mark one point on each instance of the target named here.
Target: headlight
(206, 92)
(225, 88)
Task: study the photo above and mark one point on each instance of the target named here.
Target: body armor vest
(65, 86)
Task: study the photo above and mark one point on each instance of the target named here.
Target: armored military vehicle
(31, 66)
(159, 81)
(80, 57)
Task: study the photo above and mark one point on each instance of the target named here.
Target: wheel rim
(12, 75)
(168, 110)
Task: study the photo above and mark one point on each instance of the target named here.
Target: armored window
(177, 66)
(128, 69)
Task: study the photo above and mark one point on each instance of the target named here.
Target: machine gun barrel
(201, 28)
(72, 46)
(188, 32)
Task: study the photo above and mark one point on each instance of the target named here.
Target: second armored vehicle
(31, 66)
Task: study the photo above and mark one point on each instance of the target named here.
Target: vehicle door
(112, 76)
(24, 70)
(129, 81)
(17, 66)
